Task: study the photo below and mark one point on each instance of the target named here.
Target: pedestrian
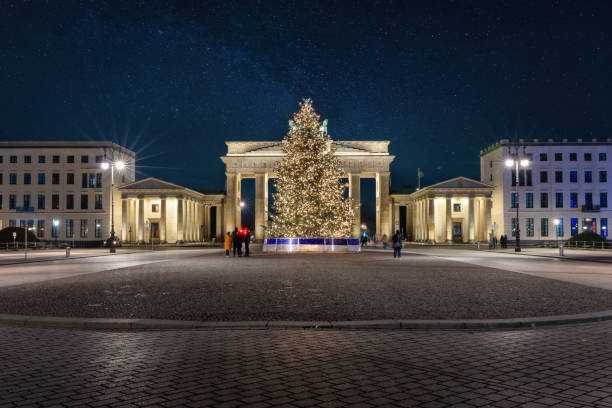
(384, 241)
(247, 241)
(494, 242)
(397, 245)
(236, 242)
(228, 244)
(364, 239)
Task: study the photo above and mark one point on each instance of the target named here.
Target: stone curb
(155, 324)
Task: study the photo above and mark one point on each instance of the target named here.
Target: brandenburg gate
(258, 160)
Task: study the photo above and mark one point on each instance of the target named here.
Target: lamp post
(55, 223)
(557, 222)
(515, 162)
(119, 165)
(242, 204)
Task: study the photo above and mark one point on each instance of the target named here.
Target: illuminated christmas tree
(309, 200)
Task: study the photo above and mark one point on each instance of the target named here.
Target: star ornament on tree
(309, 200)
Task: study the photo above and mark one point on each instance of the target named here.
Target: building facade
(563, 191)
(59, 189)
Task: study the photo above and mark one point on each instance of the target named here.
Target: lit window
(155, 208)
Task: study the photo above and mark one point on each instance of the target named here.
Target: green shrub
(6, 235)
(587, 236)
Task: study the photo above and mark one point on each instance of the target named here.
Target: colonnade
(233, 210)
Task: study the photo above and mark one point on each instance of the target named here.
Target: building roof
(66, 145)
(547, 142)
(152, 184)
(458, 185)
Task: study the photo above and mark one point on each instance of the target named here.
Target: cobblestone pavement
(206, 286)
(562, 367)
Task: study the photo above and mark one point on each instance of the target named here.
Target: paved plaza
(203, 285)
(564, 366)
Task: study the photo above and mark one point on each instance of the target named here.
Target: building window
(56, 159)
(529, 200)
(558, 156)
(92, 180)
(602, 157)
(12, 201)
(1, 159)
(543, 200)
(84, 180)
(603, 176)
(98, 180)
(543, 157)
(456, 207)
(13, 159)
(558, 176)
(40, 228)
(70, 201)
(573, 176)
(55, 202)
(0, 201)
(84, 159)
(41, 201)
(27, 178)
(588, 176)
(604, 227)
(84, 201)
(55, 178)
(560, 228)
(13, 178)
(514, 227)
(573, 226)
(84, 228)
(588, 157)
(98, 159)
(573, 200)
(491, 177)
(529, 226)
(544, 227)
(55, 228)
(98, 230)
(98, 204)
(69, 178)
(27, 159)
(513, 200)
(1, 178)
(603, 200)
(69, 159)
(573, 156)
(543, 177)
(559, 200)
(69, 228)
(155, 208)
(26, 201)
(588, 200)
(41, 178)
(42, 159)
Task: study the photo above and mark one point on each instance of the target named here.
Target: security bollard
(561, 250)
(67, 252)
(478, 245)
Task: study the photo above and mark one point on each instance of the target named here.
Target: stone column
(385, 205)
(230, 202)
(261, 204)
(471, 231)
(396, 217)
(488, 222)
(162, 221)
(207, 230)
(449, 220)
(219, 219)
(125, 219)
(355, 195)
(140, 227)
(180, 226)
(431, 220)
(238, 198)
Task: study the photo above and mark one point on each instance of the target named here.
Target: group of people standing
(238, 240)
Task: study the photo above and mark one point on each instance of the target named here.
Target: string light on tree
(309, 200)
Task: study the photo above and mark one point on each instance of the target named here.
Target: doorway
(457, 233)
(155, 231)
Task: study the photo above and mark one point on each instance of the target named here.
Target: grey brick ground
(554, 367)
(365, 286)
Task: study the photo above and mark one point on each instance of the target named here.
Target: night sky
(174, 80)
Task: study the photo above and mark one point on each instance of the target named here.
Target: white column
(449, 220)
(471, 232)
(238, 211)
(180, 227)
(125, 219)
(162, 221)
(229, 206)
(219, 232)
(261, 204)
(355, 195)
(140, 227)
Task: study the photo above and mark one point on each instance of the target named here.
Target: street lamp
(55, 223)
(557, 222)
(120, 166)
(515, 162)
